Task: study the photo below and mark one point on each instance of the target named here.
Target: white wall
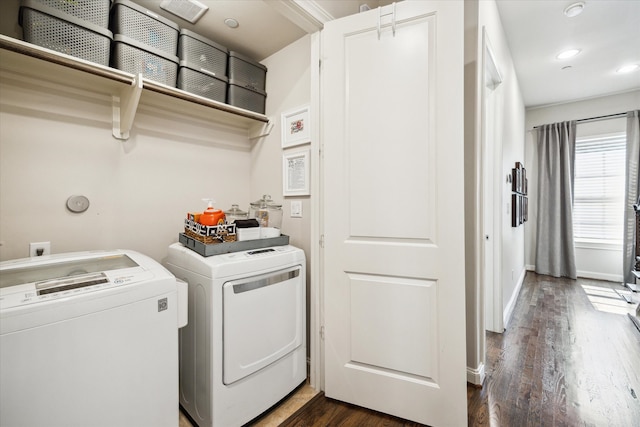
(55, 143)
(510, 145)
(288, 87)
(603, 264)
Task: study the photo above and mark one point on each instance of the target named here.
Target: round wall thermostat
(77, 204)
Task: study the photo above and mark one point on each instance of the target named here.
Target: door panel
(369, 165)
(393, 211)
(394, 348)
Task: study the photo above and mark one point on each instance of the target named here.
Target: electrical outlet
(39, 249)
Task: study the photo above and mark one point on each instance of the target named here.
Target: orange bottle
(211, 215)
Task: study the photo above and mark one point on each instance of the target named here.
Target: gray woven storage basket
(246, 70)
(136, 22)
(94, 11)
(134, 57)
(239, 95)
(201, 82)
(202, 53)
(56, 30)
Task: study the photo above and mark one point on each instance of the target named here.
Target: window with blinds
(598, 208)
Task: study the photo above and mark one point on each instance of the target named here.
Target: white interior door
(392, 134)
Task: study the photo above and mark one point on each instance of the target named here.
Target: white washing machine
(89, 339)
(244, 347)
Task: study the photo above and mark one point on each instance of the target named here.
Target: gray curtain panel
(555, 252)
(631, 194)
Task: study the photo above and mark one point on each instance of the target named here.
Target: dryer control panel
(258, 253)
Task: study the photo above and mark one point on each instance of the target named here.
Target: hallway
(565, 359)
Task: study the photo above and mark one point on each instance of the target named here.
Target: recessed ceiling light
(574, 9)
(231, 23)
(628, 68)
(568, 53)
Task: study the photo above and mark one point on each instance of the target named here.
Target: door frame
(491, 293)
(316, 289)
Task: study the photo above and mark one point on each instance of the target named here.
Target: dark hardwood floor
(562, 361)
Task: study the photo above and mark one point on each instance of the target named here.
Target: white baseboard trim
(589, 274)
(476, 376)
(600, 276)
(508, 311)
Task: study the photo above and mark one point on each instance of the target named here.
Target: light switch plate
(296, 209)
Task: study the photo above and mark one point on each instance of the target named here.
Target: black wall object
(519, 199)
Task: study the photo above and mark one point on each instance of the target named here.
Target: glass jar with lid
(267, 212)
(235, 213)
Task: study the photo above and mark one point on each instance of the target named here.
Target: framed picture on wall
(296, 173)
(515, 210)
(521, 208)
(296, 127)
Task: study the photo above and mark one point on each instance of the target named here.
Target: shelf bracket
(125, 107)
(259, 130)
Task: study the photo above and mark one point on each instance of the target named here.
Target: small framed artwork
(515, 210)
(296, 127)
(295, 173)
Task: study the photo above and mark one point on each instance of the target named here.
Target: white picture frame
(296, 127)
(296, 173)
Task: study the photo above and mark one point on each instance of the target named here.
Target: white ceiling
(607, 31)
(263, 29)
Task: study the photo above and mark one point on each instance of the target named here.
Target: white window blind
(598, 208)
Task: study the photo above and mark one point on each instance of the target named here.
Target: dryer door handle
(258, 282)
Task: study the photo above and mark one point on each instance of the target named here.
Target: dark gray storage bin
(138, 23)
(134, 57)
(56, 30)
(202, 53)
(200, 81)
(94, 11)
(244, 69)
(243, 96)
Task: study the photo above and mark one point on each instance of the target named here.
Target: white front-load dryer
(244, 347)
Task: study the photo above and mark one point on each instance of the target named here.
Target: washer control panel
(54, 289)
(35, 281)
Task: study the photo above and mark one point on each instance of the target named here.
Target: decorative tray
(228, 247)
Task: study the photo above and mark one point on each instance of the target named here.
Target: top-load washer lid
(30, 281)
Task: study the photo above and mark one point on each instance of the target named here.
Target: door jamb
(491, 77)
(316, 293)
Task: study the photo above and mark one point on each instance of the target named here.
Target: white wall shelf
(126, 90)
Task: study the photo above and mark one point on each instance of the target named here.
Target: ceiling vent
(189, 10)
